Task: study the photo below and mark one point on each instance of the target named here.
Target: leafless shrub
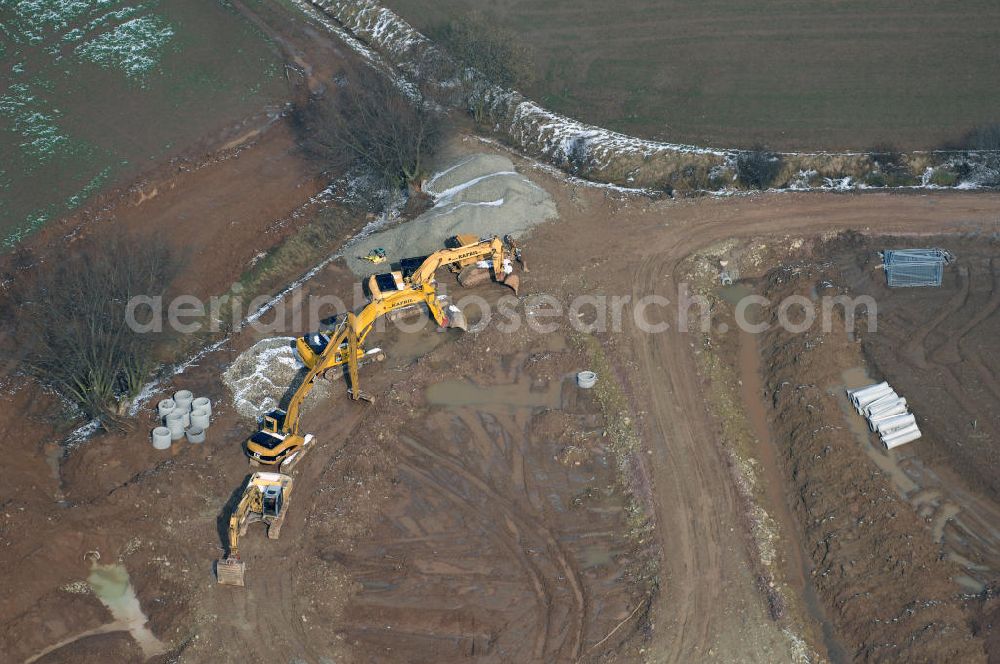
(985, 137)
(888, 158)
(758, 168)
(69, 325)
(477, 42)
(367, 124)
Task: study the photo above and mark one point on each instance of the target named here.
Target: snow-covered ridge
(607, 156)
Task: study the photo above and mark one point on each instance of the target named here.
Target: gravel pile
(481, 195)
(262, 374)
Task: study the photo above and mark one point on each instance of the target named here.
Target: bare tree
(369, 123)
(495, 55)
(69, 326)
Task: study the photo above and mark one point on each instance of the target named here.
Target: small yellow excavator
(464, 256)
(265, 498)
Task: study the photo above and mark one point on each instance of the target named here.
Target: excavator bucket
(456, 318)
(513, 282)
(229, 572)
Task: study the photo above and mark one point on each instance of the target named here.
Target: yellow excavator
(312, 346)
(279, 441)
(265, 498)
(465, 255)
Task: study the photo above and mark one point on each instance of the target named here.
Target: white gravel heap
(481, 195)
(262, 374)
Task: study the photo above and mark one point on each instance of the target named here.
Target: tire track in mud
(517, 522)
(541, 593)
(938, 359)
(694, 496)
(687, 525)
(953, 349)
(269, 603)
(915, 348)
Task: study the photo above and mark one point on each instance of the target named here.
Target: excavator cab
(273, 420)
(317, 342)
(380, 285)
(271, 502)
(271, 445)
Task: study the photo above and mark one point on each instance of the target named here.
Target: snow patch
(260, 376)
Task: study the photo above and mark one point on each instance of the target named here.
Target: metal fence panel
(906, 268)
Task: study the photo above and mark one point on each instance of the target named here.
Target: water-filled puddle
(111, 585)
(458, 393)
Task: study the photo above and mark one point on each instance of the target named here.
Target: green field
(791, 75)
(92, 91)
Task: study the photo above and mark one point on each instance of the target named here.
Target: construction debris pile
(260, 377)
(886, 413)
(480, 195)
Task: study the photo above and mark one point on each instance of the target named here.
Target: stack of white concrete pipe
(886, 413)
(183, 416)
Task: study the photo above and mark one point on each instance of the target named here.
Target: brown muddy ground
(460, 520)
(903, 543)
(468, 525)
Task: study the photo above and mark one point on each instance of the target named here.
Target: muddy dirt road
(704, 596)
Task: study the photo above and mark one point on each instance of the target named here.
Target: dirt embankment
(876, 561)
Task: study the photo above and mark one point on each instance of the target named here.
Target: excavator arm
(499, 252)
(336, 351)
(492, 248)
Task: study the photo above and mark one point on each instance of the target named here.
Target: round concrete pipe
(200, 418)
(901, 437)
(586, 379)
(877, 419)
(885, 404)
(176, 429)
(183, 398)
(196, 435)
(162, 438)
(888, 403)
(866, 400)
(888, 437)
(861, 391)
(165, 407)
(183, 417)
(863, 402)
(202, 402)
(893, 424)
(881, 388)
